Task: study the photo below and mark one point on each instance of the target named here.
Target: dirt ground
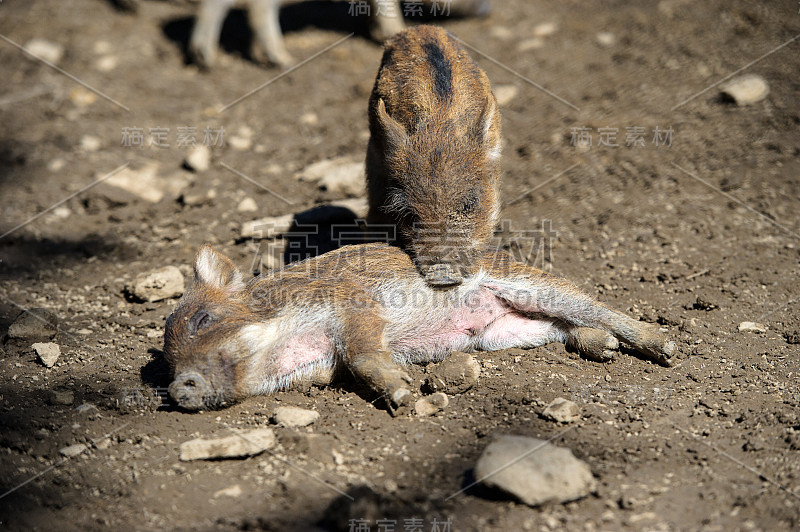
(696, 230)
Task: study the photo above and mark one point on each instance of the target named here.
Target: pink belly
(451, 331)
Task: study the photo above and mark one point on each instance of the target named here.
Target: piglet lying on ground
(366, 308)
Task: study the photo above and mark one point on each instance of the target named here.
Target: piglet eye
(199, 321)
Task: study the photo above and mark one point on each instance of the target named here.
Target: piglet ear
(395, 131)
(216, 270)
(487, 129)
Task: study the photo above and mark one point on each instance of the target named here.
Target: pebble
(82, 97)
(141, 182)
(107, 63)
(247, 205)
(311, 119)
(239, 445)
(541, 472)
(562, 410)
(56, 164)
(230, 491)
(242, 140)
(89, 143)
(752, 326)
(199, 198)
(746, 89)
(430, 404)
(505, 93)
(455, 374)
(73, 450)
(65, 398)
(530, 44)
(164, 283)
(292, 416)
(340, 175)
(606, 39)
(34, 324)
(44, 49)
(544, 29)
(501, 32)
(198, 158)
(48, 352)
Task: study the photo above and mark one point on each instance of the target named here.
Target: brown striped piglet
(432, 159)
(366, 309)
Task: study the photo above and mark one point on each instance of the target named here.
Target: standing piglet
(367, 310)
(432, 159)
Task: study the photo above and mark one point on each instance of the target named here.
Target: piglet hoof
(594, 344)
(399, 401)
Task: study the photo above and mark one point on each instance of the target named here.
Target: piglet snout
(442, 275)
(189, 390)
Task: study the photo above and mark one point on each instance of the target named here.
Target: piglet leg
(530, 290)
(368, 357)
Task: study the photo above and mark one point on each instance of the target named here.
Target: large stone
(235, 446)
(157, 285)
(752, 326)
(533, 471)
(34, 324)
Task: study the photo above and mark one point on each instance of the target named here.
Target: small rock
(239, 445)
(530, 44)
(230, 491)
(562, 411)
(82, 97)
(64, 398)
(752, 326)
(56, 164)
(200, 198)
(89, 143)
(141, 182)
(455, 374)
(430, 404)
(48, 353)
(311, 119)
(505, 93)
(501, 32)
(107, 63)
(44, 49)
(73, 450)
(745, 90)
(198, 159)
(606, 39)
(291, 416)
(61, 212)
(157, 285)
(341, 175)
(544, 29)
(242, 140)
(534, 471)
(86, 409)
(34, 324)
(247, 205)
